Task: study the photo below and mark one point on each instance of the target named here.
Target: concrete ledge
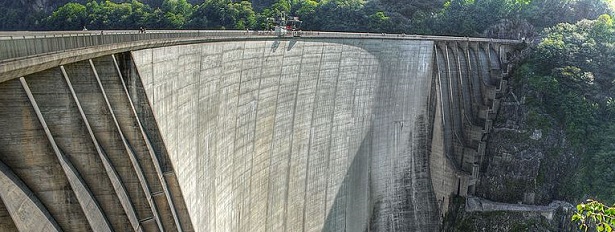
(476, 204)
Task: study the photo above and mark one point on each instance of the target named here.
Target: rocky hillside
(554, 135)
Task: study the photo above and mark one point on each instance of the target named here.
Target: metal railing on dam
(21, 44)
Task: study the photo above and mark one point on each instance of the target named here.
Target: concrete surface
(339, 133)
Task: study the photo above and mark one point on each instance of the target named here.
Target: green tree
(337, 16)
(594, 214)
(140, 14)
(16, 18)
(548, 13)
(473, 17)
(265, 19)
(572, 73)
(176, 13)
(72, 16)
(408, 8)
(379, 21)
(223, 14)
(110, 15)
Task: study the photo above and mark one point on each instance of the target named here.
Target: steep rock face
(511, 29)
(527, 162)
(527, 155)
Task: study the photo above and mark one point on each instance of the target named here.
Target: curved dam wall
(298, 135)
(344, 132)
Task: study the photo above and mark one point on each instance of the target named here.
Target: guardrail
(23, 44)
(34, 43)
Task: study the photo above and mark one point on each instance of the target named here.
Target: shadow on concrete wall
(352, 205)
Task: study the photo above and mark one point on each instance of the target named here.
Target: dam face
(269, 134)
(297, 135)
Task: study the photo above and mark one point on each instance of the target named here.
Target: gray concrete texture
(307, 134)
(297, 135)
(71, 137)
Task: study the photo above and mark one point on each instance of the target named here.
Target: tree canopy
(572, 76)
(440, 17)
(595, 215)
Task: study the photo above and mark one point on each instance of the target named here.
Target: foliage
(473, 17)
(410, 8)
(109, 15)
(452, 17)
(223, 14)
(594, 214)
(573, 79)
(176, 13)
(338, 15)
(546, 13)
(70, 16)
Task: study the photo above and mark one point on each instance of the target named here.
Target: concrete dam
(326, 132)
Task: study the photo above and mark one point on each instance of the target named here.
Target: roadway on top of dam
(26, 52)
(4, 35)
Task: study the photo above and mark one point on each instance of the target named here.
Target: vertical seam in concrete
(348, 140)
(237, 116)
(337, 79)
(260, 79)
(150, 149)
(215, 147)
(277, 99)
(307, 162)
(111, 173)
(414, 143)
(131, 155)
(88, 204)
(151, 65)
(199, 151)
(290, 153)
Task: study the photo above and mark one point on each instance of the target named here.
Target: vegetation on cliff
(572, 78)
